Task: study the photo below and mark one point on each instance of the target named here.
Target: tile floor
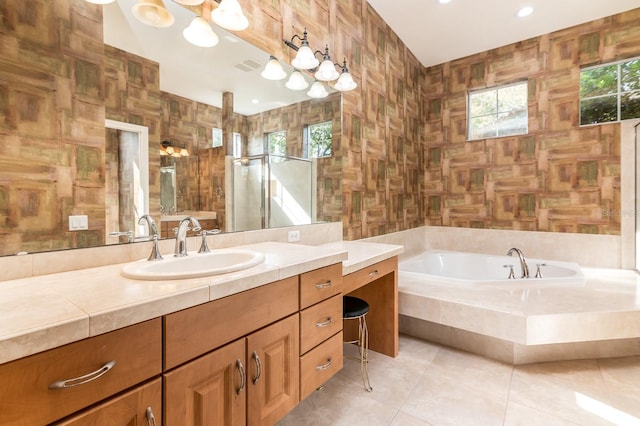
(430, 384)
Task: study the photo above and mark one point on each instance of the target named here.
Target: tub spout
(523, 261)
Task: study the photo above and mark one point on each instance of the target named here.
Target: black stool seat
(353, 307)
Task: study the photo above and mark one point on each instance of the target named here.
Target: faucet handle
(538, 271)
(512, 274)
(204, 248)
(155, 250)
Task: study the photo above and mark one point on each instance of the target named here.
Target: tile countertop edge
(363, 254)
(115, 317)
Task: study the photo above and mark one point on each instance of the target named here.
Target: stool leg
(363, 337)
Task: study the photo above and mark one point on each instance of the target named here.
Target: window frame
(306, 134)
(618, 93)
(496, 89)
(267, 148)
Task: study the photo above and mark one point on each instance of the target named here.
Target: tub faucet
(523, 261)
(181, 234)
(153, 233)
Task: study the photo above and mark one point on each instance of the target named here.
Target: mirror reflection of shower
(168, 202)
(281, 187)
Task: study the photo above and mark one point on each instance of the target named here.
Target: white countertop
(43, 312)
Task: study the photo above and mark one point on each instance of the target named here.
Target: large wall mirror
(76, 78)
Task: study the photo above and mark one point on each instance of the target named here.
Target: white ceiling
(437, 33)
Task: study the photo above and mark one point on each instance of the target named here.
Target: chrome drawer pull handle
(243, 377)
(324, 366)
(151, 419)
(61, 384)
(323, 285)
(373, 273)
(256, 358)
(324, 323)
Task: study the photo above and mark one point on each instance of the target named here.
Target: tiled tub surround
(526, 321)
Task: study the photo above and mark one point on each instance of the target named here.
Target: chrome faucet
(523, 261)
(153, 233)
(181, 234)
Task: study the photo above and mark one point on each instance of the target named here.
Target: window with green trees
(610, 93)
(277, 143)
(498, 111)
(317, 140)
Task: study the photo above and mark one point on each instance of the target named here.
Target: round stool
(355, 308)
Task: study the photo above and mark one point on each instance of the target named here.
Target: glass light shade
(184, 152)
(345, 82)
(163, 151)
(170, 150)
(229, 15)
(305, 59)
(200, 33)
(176, 154)
(153, 13)
(273, 70)
(101, 1)
(189, 2)
(327, 71)
(296, 81)
(317, 91)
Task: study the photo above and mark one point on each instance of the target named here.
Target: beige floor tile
(402, 419)
(441, 400)
(520, 415)
(556, 389)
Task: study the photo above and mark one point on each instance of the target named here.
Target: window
(610, 92)
(317, 140)
(277, 143)
(496, 112)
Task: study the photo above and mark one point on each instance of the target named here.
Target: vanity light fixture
(229, 15)
(273, 70)
(200, 33)
(305, 58)
(345, 81)
(168, 148)
(296, 81)
(327, 70)
(153, 13)
(317, 91)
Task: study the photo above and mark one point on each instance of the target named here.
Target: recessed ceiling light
(444, 1)
(255, 101)
(525, 11)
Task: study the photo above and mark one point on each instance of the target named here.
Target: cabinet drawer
(370, 273)
(136, 407)
(319, 322)
(25, 397)
(318, 365)
(200, 329)
(320, 284)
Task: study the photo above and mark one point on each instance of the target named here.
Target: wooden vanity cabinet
(111, 362)
(320, 327)
(253, 380)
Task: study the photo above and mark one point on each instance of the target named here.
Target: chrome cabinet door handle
(243, 377)
(373, 273)
(324, 323)
(256, 359)
(151, 419)
(323, 285)
(324, 366)
(62, 384)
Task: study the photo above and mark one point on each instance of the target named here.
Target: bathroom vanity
(262, 341)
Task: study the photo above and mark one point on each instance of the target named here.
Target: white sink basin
(194, 265)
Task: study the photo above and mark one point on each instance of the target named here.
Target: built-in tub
(474, 268)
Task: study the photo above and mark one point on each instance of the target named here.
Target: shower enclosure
(270, 191)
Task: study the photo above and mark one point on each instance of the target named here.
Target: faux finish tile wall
(559, 177)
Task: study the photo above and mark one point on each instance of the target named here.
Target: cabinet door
(210, 390)
(272, 355)
(141, 406)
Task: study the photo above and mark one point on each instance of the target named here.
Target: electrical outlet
(293, 236)
(78, 222)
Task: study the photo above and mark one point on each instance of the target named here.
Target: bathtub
(473, 268)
